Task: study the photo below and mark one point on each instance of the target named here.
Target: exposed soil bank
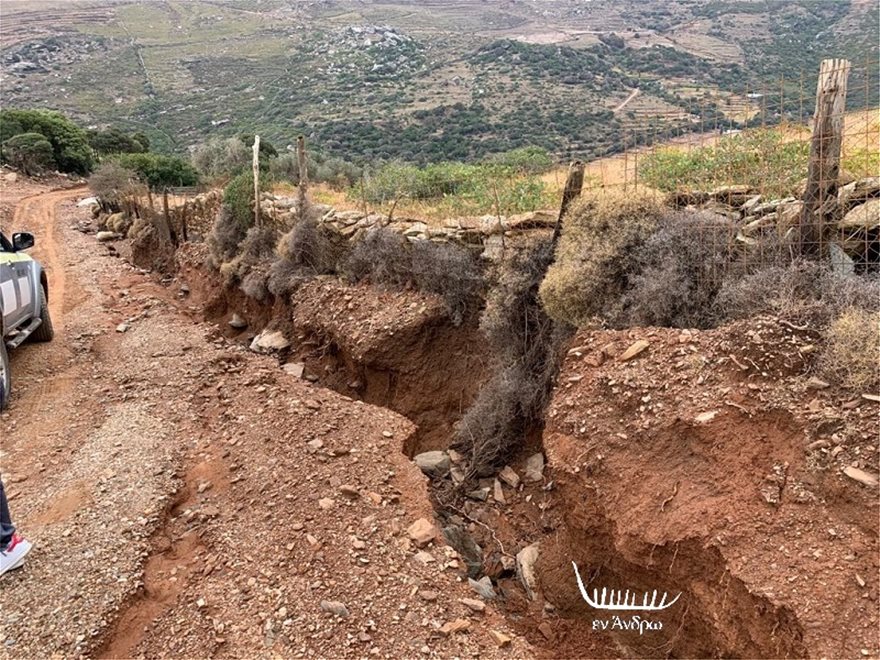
(398, 350)
(708, 466)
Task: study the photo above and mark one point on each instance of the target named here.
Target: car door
(15, 309)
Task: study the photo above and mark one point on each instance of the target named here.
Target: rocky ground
(189, 497)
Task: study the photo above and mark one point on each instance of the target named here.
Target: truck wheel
(5, 376)
(45, 332)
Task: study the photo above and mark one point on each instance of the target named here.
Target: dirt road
(188, 497)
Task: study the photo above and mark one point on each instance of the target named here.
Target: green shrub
(221, 157)
(70, 146)
(115, 141)
(29, 152)
(525, 160)
(159, 171)
(763, 158)
(596, 257)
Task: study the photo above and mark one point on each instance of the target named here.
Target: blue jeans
(7, 529)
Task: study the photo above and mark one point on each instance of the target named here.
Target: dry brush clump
(385, 258)
(851, 355)
(527, 346)
(307, 250)
(800, 291)
(597, 255)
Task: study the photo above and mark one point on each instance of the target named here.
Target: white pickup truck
(24, 303)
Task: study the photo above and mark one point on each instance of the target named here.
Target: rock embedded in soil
(509, 476)
(295, 369)
(535, 467)
(237, 322)
(458, 625)
(483, 587)
(525, 568)
(269, 340)
(473, 605)
(433, 463)
(634, 350)
(422, 532)
(335, 607)
(500, 639)
(865, 478)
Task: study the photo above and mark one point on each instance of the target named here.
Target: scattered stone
(335, 607)
(480, 494)
(295, 369)
(817, 384)
(237, 322)
(350, 492)
(452, 627)
(535, 467)
(472, 604)
(422, 531)
(634, 350)
(871, 397)
(706, 417)
(525, 568)
(433, 463)
(106, 236)
(864, 216)
(326, 503)
(122, 327)
(509, 476)
(498, 492)
(429, 596)
(483, 587)
(865, 478)
(454, 456)
(547, 631)
(501, 640)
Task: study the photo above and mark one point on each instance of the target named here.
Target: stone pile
(486, 232)
(852, 216)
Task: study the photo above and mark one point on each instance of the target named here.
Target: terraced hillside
(426, 81)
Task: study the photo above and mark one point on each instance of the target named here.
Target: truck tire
(5, 376)
(45, 332)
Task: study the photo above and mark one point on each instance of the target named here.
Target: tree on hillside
(115, 141)
(70, 146)
(221, 157)
(159, 171)
(29, 152)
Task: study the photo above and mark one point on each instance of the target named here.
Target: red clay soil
(710, 465)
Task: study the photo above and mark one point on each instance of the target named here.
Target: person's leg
(7, 529)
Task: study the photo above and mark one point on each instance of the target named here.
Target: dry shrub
(452, 272)
(380, 257)
(526, 347)
(678, 272)
(225, 237)
(802, 292)
(151, 246)
(386, 258)
(852, 348)
(597, 254)
(308, 249)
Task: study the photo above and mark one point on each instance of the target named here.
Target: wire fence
(787, 166)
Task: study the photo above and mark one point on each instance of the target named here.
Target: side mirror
(22, 240)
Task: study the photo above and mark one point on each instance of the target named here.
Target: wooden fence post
(302, 200)
(574, 183)
(257, 220)
(824, 165)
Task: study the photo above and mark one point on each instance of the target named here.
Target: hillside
(427, 81)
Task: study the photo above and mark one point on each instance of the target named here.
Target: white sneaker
(13, 556)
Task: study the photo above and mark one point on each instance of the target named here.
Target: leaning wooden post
(574, 183)
(257, 221)
(824, 165)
